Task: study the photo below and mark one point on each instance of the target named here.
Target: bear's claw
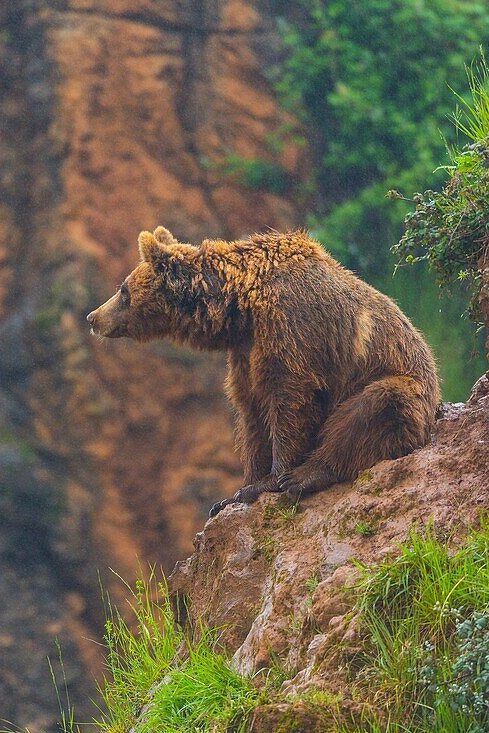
(216, 508)
(246, 495)
(300, 482)
(290, 486)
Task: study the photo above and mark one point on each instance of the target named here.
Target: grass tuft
(365, 529)
(189, 684)
(203, 694)
(138, 655)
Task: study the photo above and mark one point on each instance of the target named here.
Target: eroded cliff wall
(117, 116)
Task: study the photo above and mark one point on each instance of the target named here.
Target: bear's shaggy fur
(327, 375)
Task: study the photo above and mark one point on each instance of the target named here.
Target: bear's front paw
(299, 481)
(216, 508)
(291, 485)
(243, 496)
(248, 494)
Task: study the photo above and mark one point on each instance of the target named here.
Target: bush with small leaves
(450, 228)
(469, 688)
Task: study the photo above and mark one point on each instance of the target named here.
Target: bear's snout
(95, 322)
(91, 318)
(106, 321)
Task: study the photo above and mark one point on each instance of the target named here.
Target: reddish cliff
(118, 116)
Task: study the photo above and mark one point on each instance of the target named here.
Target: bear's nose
(91, 317)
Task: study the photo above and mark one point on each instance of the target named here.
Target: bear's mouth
(113, 333)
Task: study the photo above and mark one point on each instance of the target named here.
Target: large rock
(273, 579)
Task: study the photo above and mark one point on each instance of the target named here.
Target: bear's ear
(150, 249)
(164, 236)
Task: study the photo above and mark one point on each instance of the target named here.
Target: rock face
(116, 116)
(272, 578)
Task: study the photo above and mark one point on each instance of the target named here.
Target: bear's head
(154, 299)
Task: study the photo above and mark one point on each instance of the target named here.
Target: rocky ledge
(272, 575)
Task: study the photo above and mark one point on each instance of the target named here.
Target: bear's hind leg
(387, 419)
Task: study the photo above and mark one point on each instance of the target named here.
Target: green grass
(287, 512)
(472, 116)
(139, 655)
(202, 694)
(312, 583)
(411, 610)
(191, 684)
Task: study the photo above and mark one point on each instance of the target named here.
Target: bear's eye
(125, 295)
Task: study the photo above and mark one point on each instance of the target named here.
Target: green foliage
(190, 684)
(369, 81)
(460, 686)
(449, 228)
(424, 615)
(257, 174)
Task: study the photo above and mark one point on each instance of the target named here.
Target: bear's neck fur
(218, 289)
(216, 292)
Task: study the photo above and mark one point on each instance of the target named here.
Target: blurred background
(214, 118)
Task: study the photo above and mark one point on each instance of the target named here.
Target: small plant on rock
(365, 529)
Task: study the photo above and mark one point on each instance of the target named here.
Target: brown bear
(327, 375)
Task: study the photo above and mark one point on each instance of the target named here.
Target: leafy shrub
(450, 228)
(460, 682)
(469, 689)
